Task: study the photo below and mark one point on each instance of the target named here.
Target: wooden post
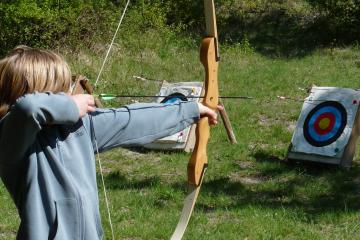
(349, 151)
(227, 124)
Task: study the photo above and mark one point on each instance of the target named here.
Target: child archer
(47, 143)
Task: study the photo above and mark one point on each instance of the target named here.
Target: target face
(325, 123)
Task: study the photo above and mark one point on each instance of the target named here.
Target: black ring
(343, 120)
(177, 95)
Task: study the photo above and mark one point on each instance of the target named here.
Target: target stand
(328, 127)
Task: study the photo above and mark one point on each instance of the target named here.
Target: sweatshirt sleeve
(139, 124)
(19, 127)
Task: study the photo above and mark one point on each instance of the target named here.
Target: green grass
(248, 191)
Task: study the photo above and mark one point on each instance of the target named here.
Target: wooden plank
(190, 144)
(349, 151)
(313, 158)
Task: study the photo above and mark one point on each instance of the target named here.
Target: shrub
(50, 23)
(342, 18)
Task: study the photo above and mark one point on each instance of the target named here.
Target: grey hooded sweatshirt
(47, 158)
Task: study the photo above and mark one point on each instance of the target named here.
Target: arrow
(108, 97)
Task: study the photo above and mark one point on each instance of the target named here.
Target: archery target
(176, 92)
(326, 121)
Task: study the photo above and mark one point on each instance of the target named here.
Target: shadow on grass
(280, 32)
(144, 150)
(313, 188)
(309, 187)
(117, 180)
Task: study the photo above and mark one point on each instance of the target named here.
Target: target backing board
(325, 126)
(181, 91)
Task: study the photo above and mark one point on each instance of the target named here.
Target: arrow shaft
(154, 96)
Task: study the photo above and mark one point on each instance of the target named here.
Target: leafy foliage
(277, 28)
(342, 18)
(50, 23)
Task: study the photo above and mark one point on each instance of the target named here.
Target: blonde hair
(28, 70)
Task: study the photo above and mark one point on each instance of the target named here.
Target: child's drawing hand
(84, 102)
(208, 112)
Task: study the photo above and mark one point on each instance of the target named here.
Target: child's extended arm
(138, 124)
(18, 128)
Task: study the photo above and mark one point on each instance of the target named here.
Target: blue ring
(322, 138)
(332, 107)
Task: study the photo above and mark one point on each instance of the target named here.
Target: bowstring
(104, 189)
(111, 44)
(107, 202)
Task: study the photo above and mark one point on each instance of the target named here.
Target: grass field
(248, 191)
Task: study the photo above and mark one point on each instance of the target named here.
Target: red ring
(329, 128)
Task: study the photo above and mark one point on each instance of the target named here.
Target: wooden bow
(209, 57)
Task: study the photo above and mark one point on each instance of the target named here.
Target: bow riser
(198, 160)
(208, 58)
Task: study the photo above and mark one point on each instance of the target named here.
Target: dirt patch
(244, 164)
(85, 59)
(250, 180)
(135, 155)
(246, 179)
(291, 126)
(266, 121)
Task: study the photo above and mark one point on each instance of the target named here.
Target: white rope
(104, 190)
(111, 44)
(96, 144)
